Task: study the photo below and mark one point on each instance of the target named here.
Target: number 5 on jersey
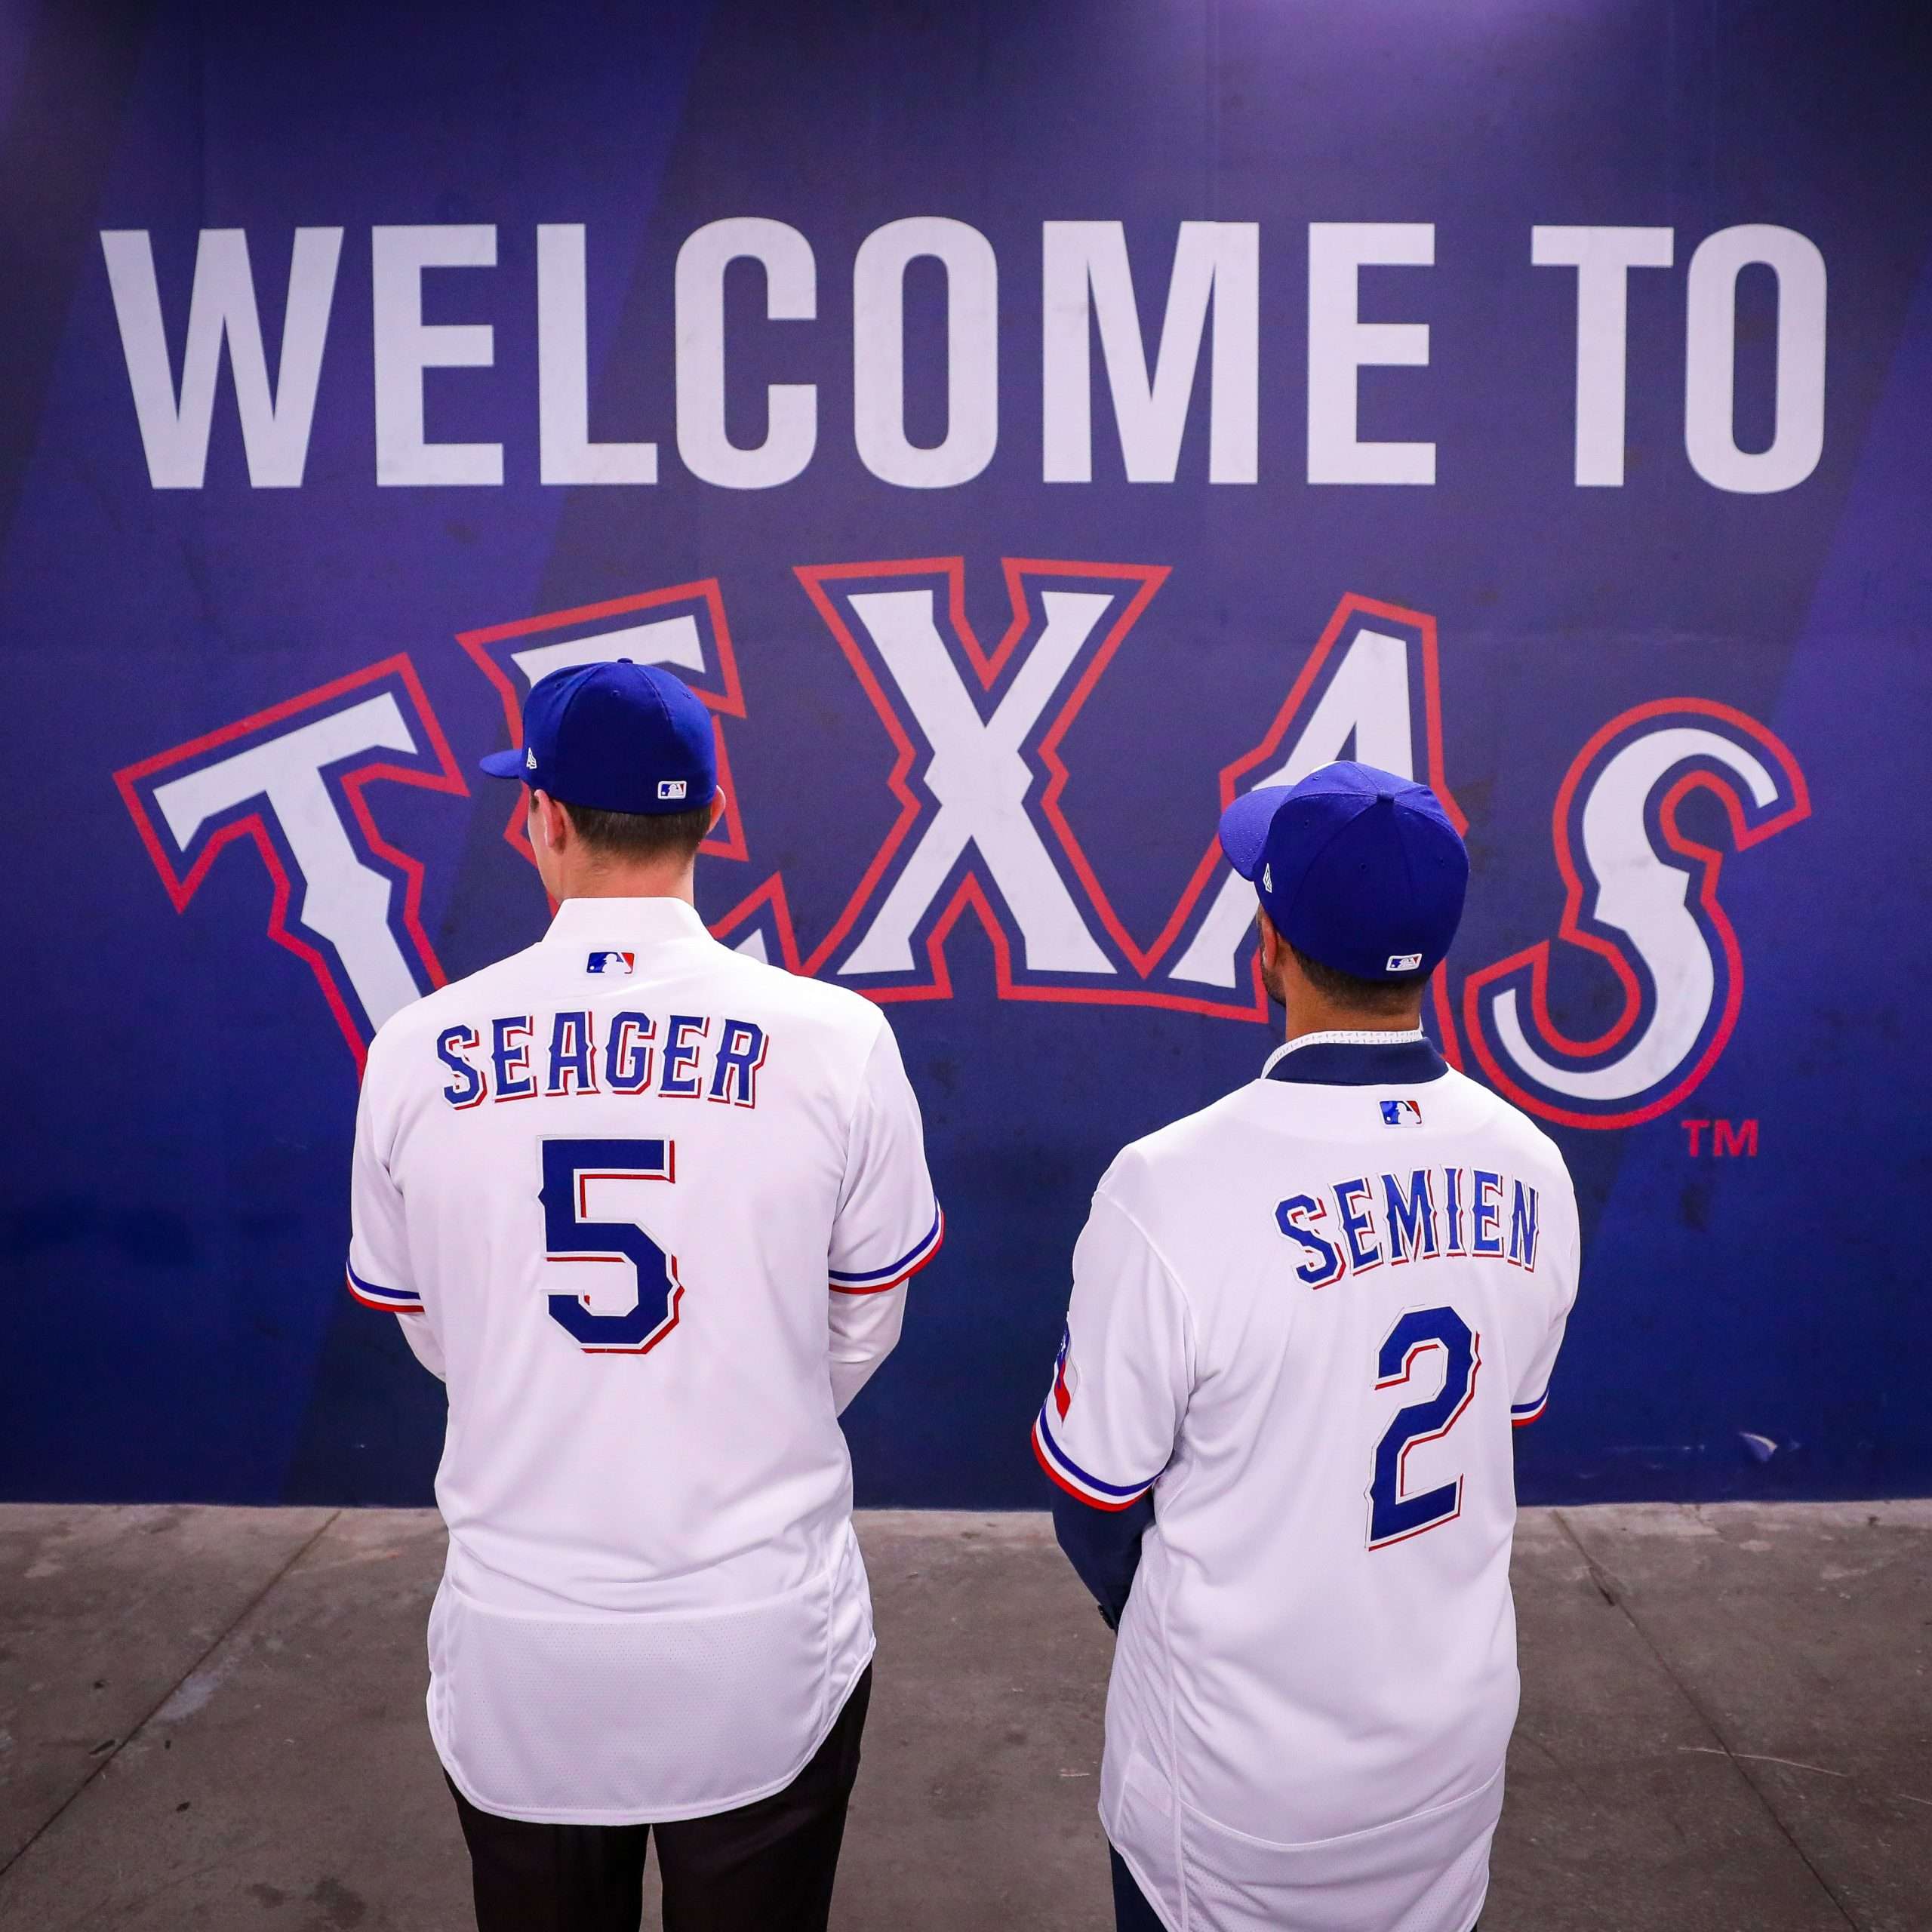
(573, 1169)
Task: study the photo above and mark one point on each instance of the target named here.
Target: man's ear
(1275, 967)
(718, 806)
(552, 824)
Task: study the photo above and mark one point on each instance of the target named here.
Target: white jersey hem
(670, 1815)
(1149, 1891)
(1178, 1883)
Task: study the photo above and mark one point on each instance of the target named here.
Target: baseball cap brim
(1244, 827)
(503, 764)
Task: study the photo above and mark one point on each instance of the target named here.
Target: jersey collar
(1357, 1059)
(648, 921)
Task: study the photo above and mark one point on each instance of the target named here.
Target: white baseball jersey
(1305, 1319)
(648, 1206)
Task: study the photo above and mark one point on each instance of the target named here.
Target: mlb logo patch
(1403, 962)
(1402, 1113)
(612, 965)
(672, 788)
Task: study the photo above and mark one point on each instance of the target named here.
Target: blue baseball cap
(1356, 867)
(618, 737)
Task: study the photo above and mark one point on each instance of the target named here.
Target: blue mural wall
(1027, 425)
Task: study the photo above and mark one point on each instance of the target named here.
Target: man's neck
(1327, 1017)
(629, 882)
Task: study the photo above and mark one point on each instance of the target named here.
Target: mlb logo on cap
(617, 737)
(617, 964)
(1402, 1113)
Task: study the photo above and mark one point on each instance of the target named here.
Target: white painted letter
(1086, 279)
(1340, 345)
(406, 345)
(972, 352)
(563, 372)
(979, 775)
(342, 898)
(791, 295)
(1366, 711)
(1603, 258)
(1639, 893)
(275, 422)
(1710, 359)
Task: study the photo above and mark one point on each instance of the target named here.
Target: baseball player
(1303, 1321)
(648, 1207)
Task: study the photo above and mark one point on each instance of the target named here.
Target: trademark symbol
(1730, 1140)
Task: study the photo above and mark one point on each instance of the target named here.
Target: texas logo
(972, 739)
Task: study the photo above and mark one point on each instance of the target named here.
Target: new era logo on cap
(1403, 962)
(530, 761)
(1402, 1113)
(673, 788)
(618, 964)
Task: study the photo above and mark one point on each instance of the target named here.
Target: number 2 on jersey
(1392, 1516)
(570, 1168)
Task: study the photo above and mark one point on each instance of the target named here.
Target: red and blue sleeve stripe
(373, 1294)
(1521, 1414)
(876, 1280)
(1075, 1481)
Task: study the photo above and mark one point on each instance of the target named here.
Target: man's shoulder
(457, 1002)
(1182, 1148)
(1512, 1129)
(765, 993)
(1212, 1138)
(769, 994)
(819, 999)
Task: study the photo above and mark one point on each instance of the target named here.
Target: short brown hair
(641, 835)
(1382, 998)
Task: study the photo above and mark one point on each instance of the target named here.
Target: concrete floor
(212, 1718)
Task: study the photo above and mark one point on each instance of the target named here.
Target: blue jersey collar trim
(1403, 1063)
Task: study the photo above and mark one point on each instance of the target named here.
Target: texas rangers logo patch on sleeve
(1402, 1113)
(612, 965)
(1065, 1379)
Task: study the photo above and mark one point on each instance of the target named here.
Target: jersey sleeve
(1561, 1243)
(889, 1225)
(1126, 1365)
(865, 1331)
(380, 1275)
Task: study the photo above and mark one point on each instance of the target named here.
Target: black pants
(1132, 1913)
(766, 1867)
